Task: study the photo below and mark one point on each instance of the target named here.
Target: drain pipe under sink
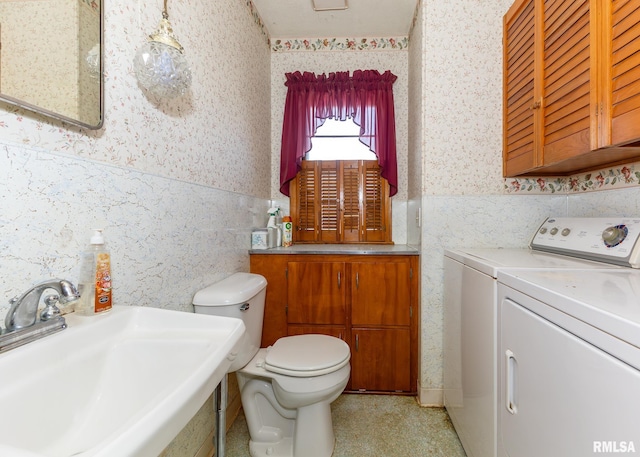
(220, 406)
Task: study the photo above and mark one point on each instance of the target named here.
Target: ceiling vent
(328, 5)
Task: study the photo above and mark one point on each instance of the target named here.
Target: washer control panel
(604, 239)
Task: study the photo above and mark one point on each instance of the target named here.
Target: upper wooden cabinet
(571, 85)
(621, 99)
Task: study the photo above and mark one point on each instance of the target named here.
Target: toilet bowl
(286, 389)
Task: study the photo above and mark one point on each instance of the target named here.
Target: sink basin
(120, 384)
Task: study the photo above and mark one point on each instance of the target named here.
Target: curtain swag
(366, 97)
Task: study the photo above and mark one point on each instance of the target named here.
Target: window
(338, 140)
(335, 197)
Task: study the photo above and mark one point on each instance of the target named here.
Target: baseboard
(431, 397)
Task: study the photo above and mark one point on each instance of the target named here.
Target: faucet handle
(50, 310)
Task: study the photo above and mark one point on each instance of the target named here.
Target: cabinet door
(274, 269)
(380, 359)
(621, 42)
(550, 95)
(522, 148)
(568, 120)
(316, 293)
(380, 293)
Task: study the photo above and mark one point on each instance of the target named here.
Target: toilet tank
(242, 296)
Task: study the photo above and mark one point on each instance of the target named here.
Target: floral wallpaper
(199, 138)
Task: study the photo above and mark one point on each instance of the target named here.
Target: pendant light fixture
(160, 64)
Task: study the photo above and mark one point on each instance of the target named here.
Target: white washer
(471, 312)
(569, 363)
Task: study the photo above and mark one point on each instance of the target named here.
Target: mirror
(51, 59)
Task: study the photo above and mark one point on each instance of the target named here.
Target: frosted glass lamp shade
(162, 70)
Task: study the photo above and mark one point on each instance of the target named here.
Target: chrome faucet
(21, 325)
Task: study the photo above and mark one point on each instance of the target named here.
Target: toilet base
(312, 433)
(282, 448)
(285, 448)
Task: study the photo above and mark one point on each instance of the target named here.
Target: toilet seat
(307, 355)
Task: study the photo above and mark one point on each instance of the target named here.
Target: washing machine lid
(307, 355)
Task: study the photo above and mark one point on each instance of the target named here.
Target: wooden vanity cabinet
(571, 85)
(381, 313)
(316, 293)
(371, 302)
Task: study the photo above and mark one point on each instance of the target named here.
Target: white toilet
(287, 388)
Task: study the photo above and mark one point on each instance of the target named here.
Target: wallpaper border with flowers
(627, 175)
(339, 44)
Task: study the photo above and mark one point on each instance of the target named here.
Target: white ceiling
(363, 18)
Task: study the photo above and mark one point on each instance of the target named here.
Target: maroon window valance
(366, 97)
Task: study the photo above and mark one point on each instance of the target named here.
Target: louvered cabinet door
(521, 106)
(622, 59)
(567, 83)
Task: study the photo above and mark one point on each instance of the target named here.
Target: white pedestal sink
(120, 384)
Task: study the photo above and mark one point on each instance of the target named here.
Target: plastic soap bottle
(95, 278)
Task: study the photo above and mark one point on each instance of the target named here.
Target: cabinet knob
(536, 105)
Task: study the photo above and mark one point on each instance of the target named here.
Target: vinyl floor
(376, 425)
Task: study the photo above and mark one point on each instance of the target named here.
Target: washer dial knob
(614, 235)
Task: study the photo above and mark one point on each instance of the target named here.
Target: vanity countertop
(348, 249)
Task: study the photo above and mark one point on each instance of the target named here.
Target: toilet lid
(307, 355)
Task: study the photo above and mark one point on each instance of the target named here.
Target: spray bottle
(275, 232)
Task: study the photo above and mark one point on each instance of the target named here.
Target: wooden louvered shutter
(374, 204)
(351, 185)
(329, 202)
(566, 87)
(521, 151)
(303, 199)
(340, 202)
(623, 51)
